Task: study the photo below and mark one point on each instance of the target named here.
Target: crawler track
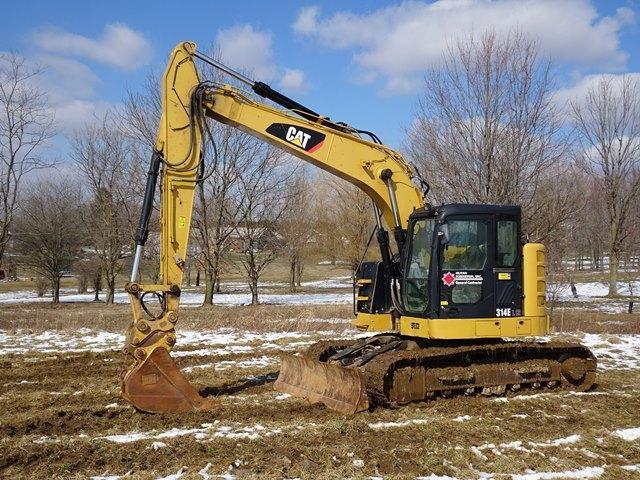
(436, 368)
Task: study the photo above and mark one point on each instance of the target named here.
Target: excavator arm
(153, 383)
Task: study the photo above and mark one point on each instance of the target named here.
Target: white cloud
(293, 79)
(247, 49)
(396, 43)
(243, 48)
(118, 46)
(578, 91)
(74, 114)
(64, 78)
(70, 88)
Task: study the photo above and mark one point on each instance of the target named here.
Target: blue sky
(356, 61)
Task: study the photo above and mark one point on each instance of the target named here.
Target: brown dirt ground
(56, 407)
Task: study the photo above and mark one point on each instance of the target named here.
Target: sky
(361, 62)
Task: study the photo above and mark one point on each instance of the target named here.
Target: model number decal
(503, 312)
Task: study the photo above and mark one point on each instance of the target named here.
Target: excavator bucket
(339, 388)
(155, 385)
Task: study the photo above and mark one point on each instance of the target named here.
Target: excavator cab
(459, 261)
(463, 261)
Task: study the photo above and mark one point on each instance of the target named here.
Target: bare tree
(88, 273)
(140, 115)
(487, 130)
(297, 228)
(262, 201)
(353, 219)
(106, 160)
(47, 236)
(608, 121)
(217, 209)
(26, 123)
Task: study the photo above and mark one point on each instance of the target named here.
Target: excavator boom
(153, 383)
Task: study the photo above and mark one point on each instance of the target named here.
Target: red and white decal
(449, 279)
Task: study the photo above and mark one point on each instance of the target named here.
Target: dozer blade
(339, 388)
(156, 385)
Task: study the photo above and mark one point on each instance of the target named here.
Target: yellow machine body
(153, 383)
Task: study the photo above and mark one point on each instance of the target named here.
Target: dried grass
(98, 316)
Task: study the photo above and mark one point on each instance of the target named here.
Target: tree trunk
(209, 287)
(299, 270)
(111, 288)
(292, 275)
(97, 285)
(82, 283)
(187, 277)
(215, 265)
(613, 273)
(55, 290)
(254, 291)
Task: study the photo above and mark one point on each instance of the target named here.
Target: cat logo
(297, 137)
(304, 138)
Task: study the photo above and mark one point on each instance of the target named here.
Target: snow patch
(436, 477)
(556, 443)
(462, 418)
(196, 298)
(206, 430)
(175, 476)
(628, 434)
(405, 423)
(263, 361)
(586, 472)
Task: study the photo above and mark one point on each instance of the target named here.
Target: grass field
(61, 415)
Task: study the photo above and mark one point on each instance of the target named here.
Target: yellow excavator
(453, 303)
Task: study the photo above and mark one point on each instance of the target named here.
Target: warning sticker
(504, 276)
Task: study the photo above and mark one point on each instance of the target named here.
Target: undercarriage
(392, 370)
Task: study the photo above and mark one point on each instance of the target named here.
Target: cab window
(465, 250)
(466, 246)
(507, 243)
(416, 281)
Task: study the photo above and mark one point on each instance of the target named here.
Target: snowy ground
(620, 352)
(61, 413)
(592, 295)
(240, 295)
(60, 403)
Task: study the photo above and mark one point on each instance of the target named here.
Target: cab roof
(443, 211)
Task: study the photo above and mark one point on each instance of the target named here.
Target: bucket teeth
(155, 385)
(339, 388)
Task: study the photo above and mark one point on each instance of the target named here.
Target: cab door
(466, 263)
(508, 267)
